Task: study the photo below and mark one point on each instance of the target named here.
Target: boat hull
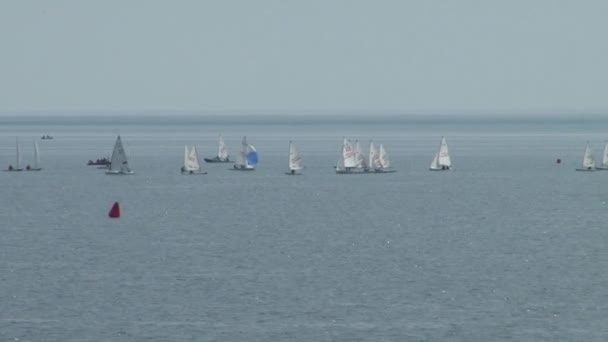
(439, 169)
(217, 160)
(381, 171)
(120, 173)
(293, 174)
(193, 173)
(587, 170)
(14, 170)
(36, 169)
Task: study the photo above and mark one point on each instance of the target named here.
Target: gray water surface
(508, 245)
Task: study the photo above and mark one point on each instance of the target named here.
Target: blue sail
(252, 157)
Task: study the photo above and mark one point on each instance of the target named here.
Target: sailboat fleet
(18, 161)
(351, 159)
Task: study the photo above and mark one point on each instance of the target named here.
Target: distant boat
(222, 153)
(359, 157)
(36, 160)
(247, 159)
(347, 159)
(99, 162)
(46, 137)
(441, 161)
(17, 166)
(379, 161)
(604, 165)
(118, 162)
(588, 161)
(191, 164)
(295, 160)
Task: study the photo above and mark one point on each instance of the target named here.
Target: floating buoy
(559, 161)
(115, 211)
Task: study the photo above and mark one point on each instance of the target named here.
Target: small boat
(36, 160)
(588, 160)
(118, 162)
(191, 164)
(441, 161)
(295, 161)
(17, 166)
(379, 162)
(46, 137)
(247, 159)
(347, 159)
(99, 162)
(359, 157)
(604, 165)
(222, 153)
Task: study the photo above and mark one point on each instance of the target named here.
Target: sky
(368, 56)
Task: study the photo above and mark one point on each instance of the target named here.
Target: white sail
(359, 157)
(444, 155)
(191, 162)
(442, 160)
(349, 158)
(373, 155)
(118, 161)
(383, 158)
(588, 161)
(605, 156)
(295, 161)
(222, 149)
(18, 161)
(435, 162)
(36, 156)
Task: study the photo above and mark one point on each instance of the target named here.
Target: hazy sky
(425, 56)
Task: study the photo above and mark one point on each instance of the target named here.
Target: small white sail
(295, 161)
(191, 162)
(442, 160)
(383, 158)
(18, 161)
(588, 161)
(373, 156)
(348, 154)
(605, 156)
(118, 161)
(222, 149)
(359, 157)
(36, 156)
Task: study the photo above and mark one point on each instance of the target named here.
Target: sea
(508, 245)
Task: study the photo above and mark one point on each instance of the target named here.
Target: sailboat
(347, 159)
(359, 157)
(118, 161)
(191, 164)
(441, 161)
(588, 161)
(383, 164)
(295, 161)
(247, 159)
(17, 166)
(36, 160)
(222, 153)
(604, 165)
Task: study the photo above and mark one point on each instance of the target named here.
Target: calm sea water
(508, 245)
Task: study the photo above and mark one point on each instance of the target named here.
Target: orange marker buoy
(115, 211)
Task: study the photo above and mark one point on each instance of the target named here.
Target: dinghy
(222, 153)
(383, 164)
(118, 162)
(441, 161)
(347, 159)
(191, 164)
(588, 161)
(604, 165)
(17, 166)
(248, 157)
(295, 161)
(36, 160)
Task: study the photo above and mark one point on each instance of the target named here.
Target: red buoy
(115, 211)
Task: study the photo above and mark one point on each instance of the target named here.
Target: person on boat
(293, 172)
(191, 172)
(183, 169)
(10, 167)
(28, 168)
